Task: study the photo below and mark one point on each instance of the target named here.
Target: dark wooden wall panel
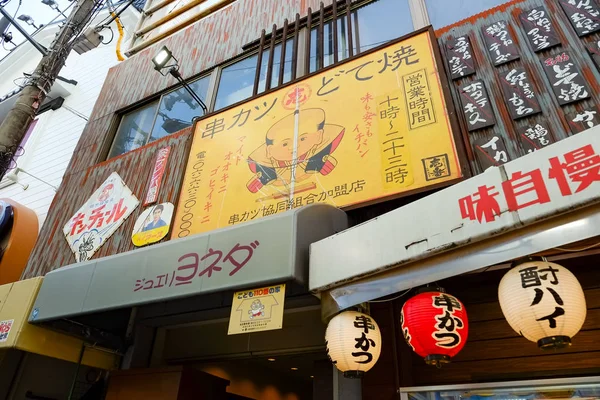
(495, 352)
(552, 114)
(380, 382)
(52, 250)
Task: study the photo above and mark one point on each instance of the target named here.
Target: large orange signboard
(371, 128)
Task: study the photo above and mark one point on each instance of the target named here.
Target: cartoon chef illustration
(273, 161)
(257, 309)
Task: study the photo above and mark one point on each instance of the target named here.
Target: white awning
(535, 203)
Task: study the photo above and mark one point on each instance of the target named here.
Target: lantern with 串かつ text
(353, 343)
(435, 326)
(543, 302)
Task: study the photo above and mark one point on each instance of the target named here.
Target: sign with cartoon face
(153, 224)
(99, 217)
(257, 310)
(375, 127)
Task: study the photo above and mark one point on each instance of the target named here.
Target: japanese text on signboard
(572, 173)
(374, 127)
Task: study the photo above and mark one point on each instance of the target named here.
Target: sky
(41, 14)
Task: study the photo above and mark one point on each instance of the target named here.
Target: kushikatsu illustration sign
(99, 217)
(372, 128)
(257, 310)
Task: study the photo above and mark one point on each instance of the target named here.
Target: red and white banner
(157, 174)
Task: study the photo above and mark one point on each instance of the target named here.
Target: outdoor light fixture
(27, 19)
(53, 5)
(164, 60)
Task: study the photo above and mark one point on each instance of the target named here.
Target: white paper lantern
(543, 302)
(353, 343)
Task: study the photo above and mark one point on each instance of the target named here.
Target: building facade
(405, 143)
(50, 142)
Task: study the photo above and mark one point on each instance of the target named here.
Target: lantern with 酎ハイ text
(543, 302)
(353, 343)
(435, 326)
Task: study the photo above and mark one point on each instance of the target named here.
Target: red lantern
(435, 326)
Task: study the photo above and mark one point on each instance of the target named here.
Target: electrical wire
(577, 250)
(71, 110)
(112, 36)
(392, 299)
(18, 7)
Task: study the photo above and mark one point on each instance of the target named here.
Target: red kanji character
(182, 280)
(582, 165)
(485, 206)
(77, 224)
(296, 93)
(117, 212)
(239, 264)
(529, 182)
(212, 267)
(96, 218)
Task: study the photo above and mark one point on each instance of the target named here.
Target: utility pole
(17, 120)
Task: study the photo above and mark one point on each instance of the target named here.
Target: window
(446, 12)
(372, 25)
(178, 108)
(134, 130)
(382, 21)
(237, 81)
(173, 112)
(287, 68)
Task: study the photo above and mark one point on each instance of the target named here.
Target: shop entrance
(281, 377)
(284, 364)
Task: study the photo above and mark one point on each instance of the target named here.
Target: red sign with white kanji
(99, 217)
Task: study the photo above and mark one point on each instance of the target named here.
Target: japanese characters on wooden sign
(539, 29)
(374, 127)
(153, 224)
(560, 178)
(584, 15)
(518, 93)
(460, 57)
(160, 164)
(534, 137)
(580, 121)
(99, 217)
(500, 44)
(490, 152)
(476, 105)
(565, 78)
(257, 310)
